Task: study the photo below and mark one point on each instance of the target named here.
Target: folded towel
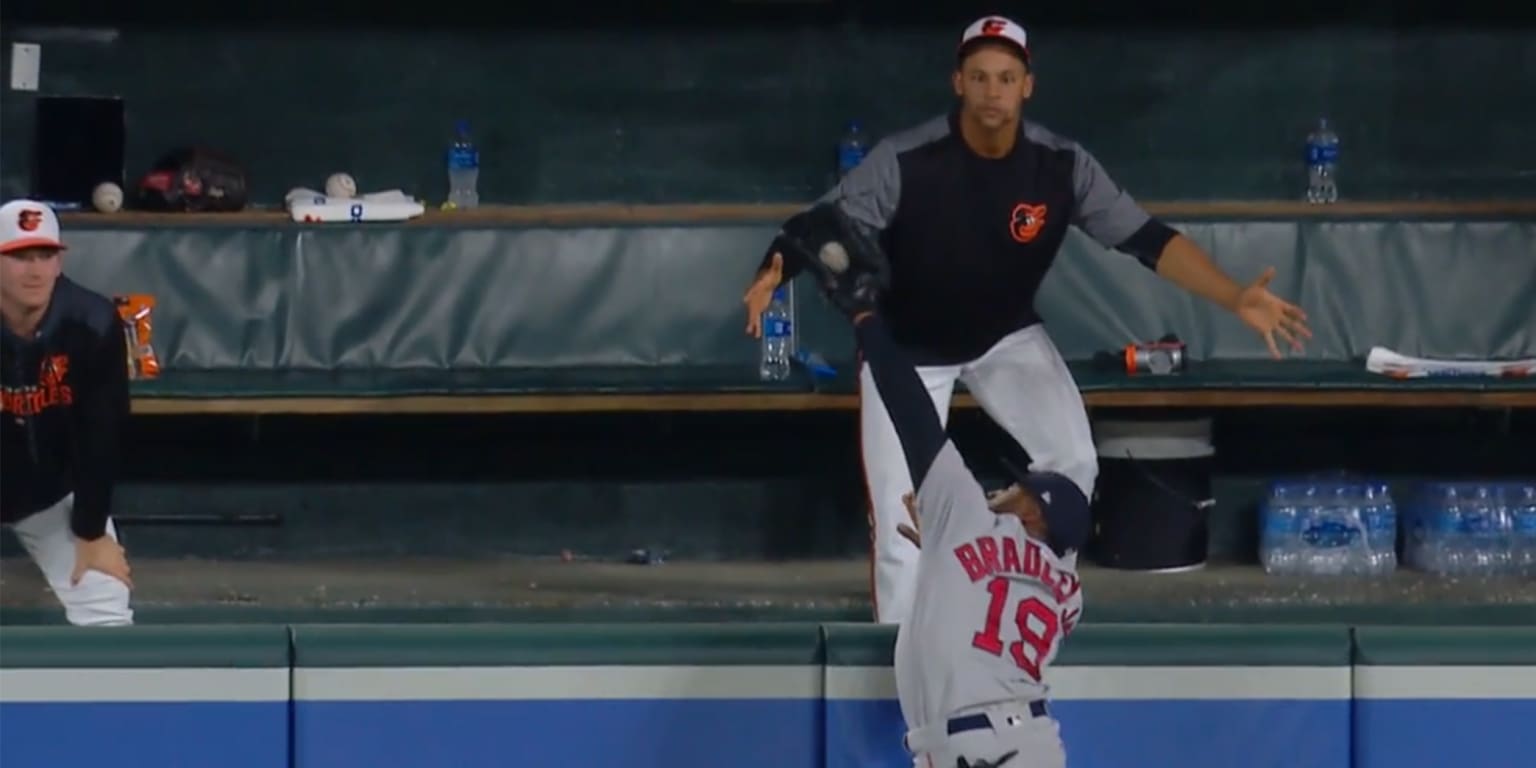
(308, 205)
(1385, 361)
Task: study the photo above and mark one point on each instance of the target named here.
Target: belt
(928, 738)
(981, 720)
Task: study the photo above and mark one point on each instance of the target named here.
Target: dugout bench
(1207, 385)
(604, 308)
(616, 326)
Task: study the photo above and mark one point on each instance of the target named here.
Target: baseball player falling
(972, 207)
(997, 588)
(64, 371)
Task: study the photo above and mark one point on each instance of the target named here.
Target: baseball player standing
(64, 371)
(972, 207)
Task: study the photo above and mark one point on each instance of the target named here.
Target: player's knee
(97, 601)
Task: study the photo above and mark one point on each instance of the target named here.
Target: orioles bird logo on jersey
(1027, 221)
(29, 220)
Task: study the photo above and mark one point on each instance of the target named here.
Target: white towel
(1385, 361)
(308, 205)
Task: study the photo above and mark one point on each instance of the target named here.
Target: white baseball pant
(1015, 739)
(98, 600)
(1023, 384)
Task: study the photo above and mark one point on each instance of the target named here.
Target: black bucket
(1153, 495)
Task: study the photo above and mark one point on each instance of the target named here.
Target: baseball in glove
(843, 254)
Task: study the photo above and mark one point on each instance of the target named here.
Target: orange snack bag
(136, 310)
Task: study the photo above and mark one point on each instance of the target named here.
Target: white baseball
(340, 185)
(107, 197)
(834, 256)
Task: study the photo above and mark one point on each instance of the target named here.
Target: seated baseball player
(997, 588)
(65, 379)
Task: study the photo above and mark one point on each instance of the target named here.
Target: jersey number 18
(990, 638)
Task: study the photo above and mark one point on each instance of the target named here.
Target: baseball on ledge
(107, 197)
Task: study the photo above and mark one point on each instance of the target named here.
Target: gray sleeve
(1105, 211)
(870, 191)
(950, 502)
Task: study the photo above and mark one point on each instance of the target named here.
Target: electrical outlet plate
(26, 65)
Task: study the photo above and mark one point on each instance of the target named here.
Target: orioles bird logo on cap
(29, 220)
(994, 26)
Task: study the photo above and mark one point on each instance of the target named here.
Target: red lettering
(988, 547)
(1041, 641)
(1031, 559)
(1011, 555)
(1046, 576)
(990, 638)
(1067, 587)
(1038, 641)
(970, 562)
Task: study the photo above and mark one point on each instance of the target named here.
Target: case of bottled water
(1328, 525)
(1472, 528)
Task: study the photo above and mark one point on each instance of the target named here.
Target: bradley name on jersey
(991, 555)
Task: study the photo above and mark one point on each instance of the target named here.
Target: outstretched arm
(1109, 215)
(906, 399)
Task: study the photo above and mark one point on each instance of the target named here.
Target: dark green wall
(703, 486)
(743, 102)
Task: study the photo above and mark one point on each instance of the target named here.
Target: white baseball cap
(996, 28)
(28, 224)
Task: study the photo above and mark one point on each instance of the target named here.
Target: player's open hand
(1271, 316)
(760, 294)
(102, 554)
(910, 532)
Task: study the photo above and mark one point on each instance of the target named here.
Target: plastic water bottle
(1444, 544)
(1322, 164)
(1333, 532)
(1488, 531)
(463, 169)
(1415, 531)
(1309, 519)
(1280, 530)
(851, 148)
(778, 338)
(1523, 529)
(1379, 514)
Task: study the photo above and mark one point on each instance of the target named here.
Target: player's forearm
(1185, 264)
(102, 412)
(905, 398)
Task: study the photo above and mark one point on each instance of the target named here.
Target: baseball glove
(194, 179)
(843, 254)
